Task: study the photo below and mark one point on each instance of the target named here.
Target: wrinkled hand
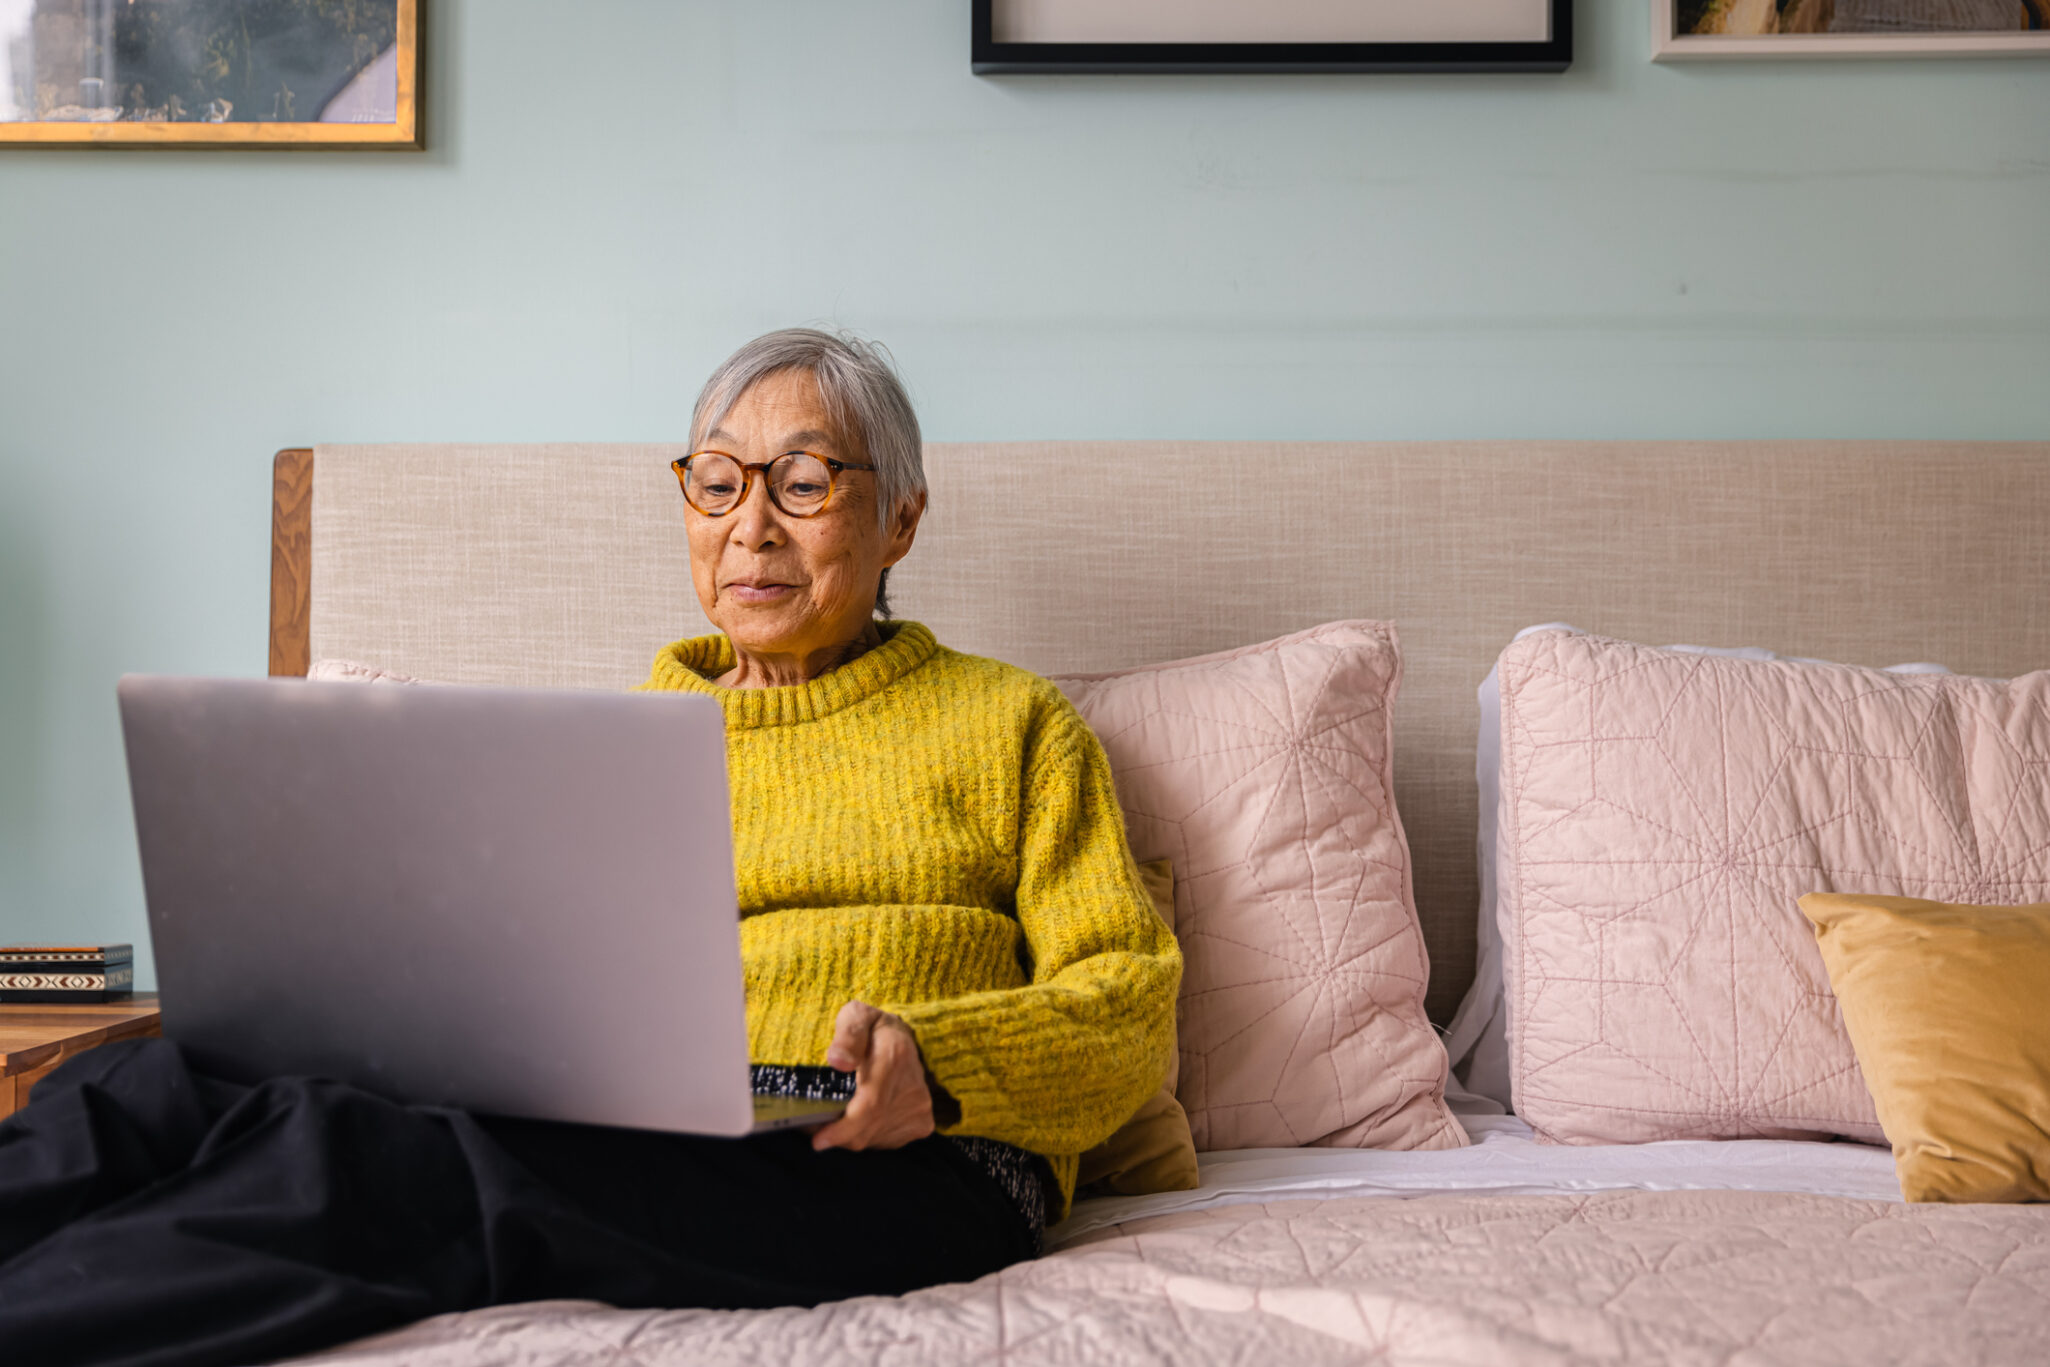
(892, 1105)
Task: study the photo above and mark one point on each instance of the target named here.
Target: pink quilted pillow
(1660, 814)
(1264, 776)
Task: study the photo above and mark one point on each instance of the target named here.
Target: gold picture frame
(1745, 29)
(393, 72)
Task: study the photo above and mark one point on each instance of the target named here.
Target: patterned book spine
(46, 982)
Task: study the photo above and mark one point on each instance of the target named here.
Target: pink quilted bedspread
(1694, 1277)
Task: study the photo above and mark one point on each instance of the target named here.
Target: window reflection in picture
(219, 72)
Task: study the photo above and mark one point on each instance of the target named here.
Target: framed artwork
(1083, 36)
(1683, 30)
(210, 73)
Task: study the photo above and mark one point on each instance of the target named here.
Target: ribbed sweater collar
(690, 666)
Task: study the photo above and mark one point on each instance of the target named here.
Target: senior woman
(940, 921)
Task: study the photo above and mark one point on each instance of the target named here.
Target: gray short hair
(861, 392)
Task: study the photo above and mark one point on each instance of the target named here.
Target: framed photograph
(210, 73)
(1683, 30)
(1084, 36)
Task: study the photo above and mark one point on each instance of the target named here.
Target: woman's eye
(804, 488)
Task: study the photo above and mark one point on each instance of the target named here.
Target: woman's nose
(754, 522)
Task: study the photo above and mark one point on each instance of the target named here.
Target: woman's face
(795, 589)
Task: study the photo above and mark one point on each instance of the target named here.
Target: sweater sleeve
(1057, 1065)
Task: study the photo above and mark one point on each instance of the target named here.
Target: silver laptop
(514, 901)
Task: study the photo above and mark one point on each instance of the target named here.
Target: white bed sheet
(1506, 1160)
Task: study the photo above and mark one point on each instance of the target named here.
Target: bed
(564, 566)
(1764, 1252)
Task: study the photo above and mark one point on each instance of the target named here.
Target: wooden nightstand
(35, 1039)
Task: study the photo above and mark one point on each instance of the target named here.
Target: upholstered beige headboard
(565, 565)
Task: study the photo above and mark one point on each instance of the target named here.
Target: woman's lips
(765, 592)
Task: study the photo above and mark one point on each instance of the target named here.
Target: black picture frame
(991, 58)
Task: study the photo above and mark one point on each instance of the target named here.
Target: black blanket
(152, 1217)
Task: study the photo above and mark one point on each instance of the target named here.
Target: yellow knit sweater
(937, 834)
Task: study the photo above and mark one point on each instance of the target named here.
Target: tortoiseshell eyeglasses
(800, 482)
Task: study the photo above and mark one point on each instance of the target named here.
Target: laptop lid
(515, 901)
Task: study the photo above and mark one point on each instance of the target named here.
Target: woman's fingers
(852, 1030)
(850, 1131)
(892, 1105)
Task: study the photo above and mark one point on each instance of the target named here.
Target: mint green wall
(619, 192)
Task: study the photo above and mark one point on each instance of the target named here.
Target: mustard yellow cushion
(1153, 1151)
(1948, 1008)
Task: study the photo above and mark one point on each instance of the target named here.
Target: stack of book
(66, 973)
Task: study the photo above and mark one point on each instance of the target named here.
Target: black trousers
(150, 1216)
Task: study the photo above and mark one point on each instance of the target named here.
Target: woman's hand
(892, 1104)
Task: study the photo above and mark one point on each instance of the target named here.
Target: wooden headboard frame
(291, 561)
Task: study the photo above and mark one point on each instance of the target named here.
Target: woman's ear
(903, 529)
